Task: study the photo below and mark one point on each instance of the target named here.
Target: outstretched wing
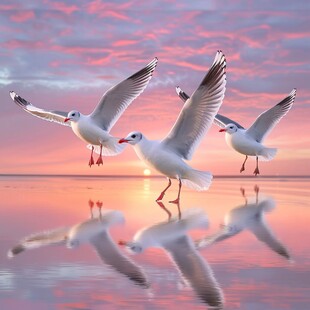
(263, 233)
(225, 233)
(222, 121)
(52, 116)
(196, 271)
(268, 119)
(38, 240)
(110, 254)
(219, 119)
(198, 112)
(116, 100)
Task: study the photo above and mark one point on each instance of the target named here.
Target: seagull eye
(73, 114)
(133, 136)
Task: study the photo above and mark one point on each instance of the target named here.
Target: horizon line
(141, 176)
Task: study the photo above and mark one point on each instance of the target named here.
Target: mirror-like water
(94, 243)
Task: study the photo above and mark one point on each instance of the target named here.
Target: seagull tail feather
(198, 180)
(267, 154)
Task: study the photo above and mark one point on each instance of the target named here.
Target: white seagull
(94, 231)
(173, 238)
(248, 217)
(95, 127)
(249, 141)
(196, 117)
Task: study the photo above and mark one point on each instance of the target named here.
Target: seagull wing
(52, 116)
(112, 256)
(222, 121)
(225, 233)
(183, 95)
(116, 100)
(38, 240)
(268, 119)
(263, 233)
(195, 270)
(219, 119)
(198, 112)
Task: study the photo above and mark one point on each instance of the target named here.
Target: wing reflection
(173, 237)
(94, 231)
(250, 216)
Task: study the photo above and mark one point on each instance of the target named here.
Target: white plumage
(250, 141)
(196, 117)
(95, 127)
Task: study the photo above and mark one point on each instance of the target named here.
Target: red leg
(177, 201)
(256, 171)
(162, 194)
(99, 206)
(256, 190)
(165, 209)
(91, 205)
(242, 190)
(91, 160)
(243, 165)
(99, 160)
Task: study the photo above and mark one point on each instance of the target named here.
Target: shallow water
(238, 272)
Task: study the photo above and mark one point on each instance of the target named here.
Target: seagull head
(133, 138)
(229, 128)
(72, 243)
(132, 247)
(73, 116)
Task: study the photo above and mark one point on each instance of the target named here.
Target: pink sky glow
(64, 56)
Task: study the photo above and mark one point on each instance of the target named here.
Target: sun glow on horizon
(146, 172)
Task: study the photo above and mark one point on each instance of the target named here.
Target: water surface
(228, 272)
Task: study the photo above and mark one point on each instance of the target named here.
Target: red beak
(122, 242)
(221, 130)
(67, 119)
(123, 140)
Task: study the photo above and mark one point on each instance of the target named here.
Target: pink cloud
(124, 43)
(22, 16)
(79, 49)
(13, 44)
(99, 61)
(63, 7)
(7, 7)
(102, 9)
(54, 64)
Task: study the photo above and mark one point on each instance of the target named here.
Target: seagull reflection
(250, 216)
(94, 231)
(173, 237)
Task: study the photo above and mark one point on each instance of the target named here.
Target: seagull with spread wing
(250, 217)
(95, 127)
(196, 117)
(249, 141)
(94, 231)
(173, 237)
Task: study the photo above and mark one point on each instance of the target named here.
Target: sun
(146, 172)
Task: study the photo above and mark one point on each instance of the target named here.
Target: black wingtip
(16, 250)
(13, 95)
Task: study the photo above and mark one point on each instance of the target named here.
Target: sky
(63, 55)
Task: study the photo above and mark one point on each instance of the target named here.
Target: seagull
(249, 141)
(249, 216)
(196, 117)
(173, 238)
(95, 127)
(94, 231)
